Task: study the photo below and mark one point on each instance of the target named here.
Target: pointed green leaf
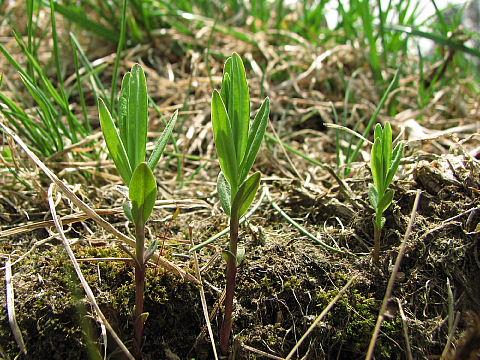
(373, 196)
(227, 255)
(387, 146)
(376, 165)
(245, 195)
(255, 138)
(143, 193)
(239, 112)
(137, 117)
(114, 144)
(162, 142)
(225, 90)
(378, 132)
(227, 67)
(223, 137)
(127, 210)
(386, 200)
(224, 193)
(396, 158)
(123, 107)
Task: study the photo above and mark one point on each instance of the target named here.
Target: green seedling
(127, 146)
(237, 143)
(384, 165)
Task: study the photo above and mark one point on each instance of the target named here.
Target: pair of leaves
(243, 198)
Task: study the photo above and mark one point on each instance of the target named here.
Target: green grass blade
(83, 104)
(449, 42)
(77, 15)
(121, 43)
(97, 85)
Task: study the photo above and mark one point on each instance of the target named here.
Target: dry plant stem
(391, 281)
(451, 334)
(10, 300)
(319, 318)
(139, 288)
(405, 330)
(377, 233)
(230, 288)
(78, 271)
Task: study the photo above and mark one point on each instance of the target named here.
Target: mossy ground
(284, 282)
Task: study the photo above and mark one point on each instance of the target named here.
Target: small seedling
(127, 147)
(237, 143)
(384, 165)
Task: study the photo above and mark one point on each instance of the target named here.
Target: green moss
(55, 318)
(293, 283)
(353, 319)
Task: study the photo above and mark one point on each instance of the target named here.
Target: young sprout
(384, 164)
(237, 143)
(127, 147)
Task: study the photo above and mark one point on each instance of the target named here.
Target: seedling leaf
(385, 201)
(222, 133)
(255, 138)
(127, 209)
(239, 112)
(224, 193)
(227, 254)
(387, 147)
(246, 194)
(143, 193)
(162, 142)
(123, 107)
(396, 158)
(376, 164)
(373, 196)
(137, 117)
(114, 144)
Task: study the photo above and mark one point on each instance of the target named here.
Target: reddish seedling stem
(230, 288)
(376, 244)
(139, 290)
